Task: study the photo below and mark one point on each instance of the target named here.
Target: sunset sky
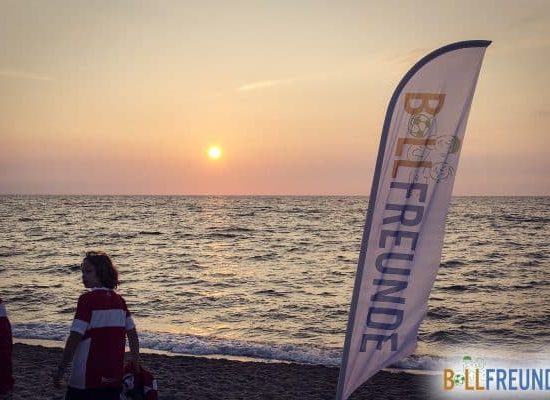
(126, 97)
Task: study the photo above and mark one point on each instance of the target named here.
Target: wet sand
(197, 378)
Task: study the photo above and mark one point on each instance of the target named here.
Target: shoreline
(198, 378)
(144, 350)
(57, 344)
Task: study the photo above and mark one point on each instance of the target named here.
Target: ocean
(271, 277)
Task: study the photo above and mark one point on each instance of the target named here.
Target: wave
(270, 292)
(222, 235)
(528, 219)
(196, 345)
(451, 337)
(10, 253)
(181, 344)
(538, 255)
(460, 288)
(452, 263)
(247, 214)
(264, 257)
(440, 313)
(118, 235)
(238, 229)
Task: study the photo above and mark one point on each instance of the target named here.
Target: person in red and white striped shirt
(98, 335)
(6, 347)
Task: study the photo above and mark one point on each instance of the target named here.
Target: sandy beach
(182, 377)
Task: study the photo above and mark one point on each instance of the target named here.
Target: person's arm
(133, 342)
(70, 347)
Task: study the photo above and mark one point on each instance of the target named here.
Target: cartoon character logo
(418, 153)
(441, 171)
(439, 151)
(447, 144)
(420, 125)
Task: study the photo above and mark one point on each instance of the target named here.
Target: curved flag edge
(374, 189)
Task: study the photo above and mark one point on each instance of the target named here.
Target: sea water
(272, 277)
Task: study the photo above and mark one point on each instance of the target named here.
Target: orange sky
(125, 97)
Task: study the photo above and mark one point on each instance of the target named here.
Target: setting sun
(214, 152)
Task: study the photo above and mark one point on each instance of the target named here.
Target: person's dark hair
(104, 268)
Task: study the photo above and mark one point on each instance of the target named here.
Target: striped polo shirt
(102, 319)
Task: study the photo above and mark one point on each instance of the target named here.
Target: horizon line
(244, 195)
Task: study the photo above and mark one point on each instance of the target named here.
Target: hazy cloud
(277, 82)
(409, 58)
(263, 84)
(18, 74)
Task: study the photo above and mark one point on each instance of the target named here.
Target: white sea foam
(206, 346)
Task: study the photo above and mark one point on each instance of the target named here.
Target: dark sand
(182, 377)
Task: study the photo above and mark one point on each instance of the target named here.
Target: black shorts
(92, 394)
